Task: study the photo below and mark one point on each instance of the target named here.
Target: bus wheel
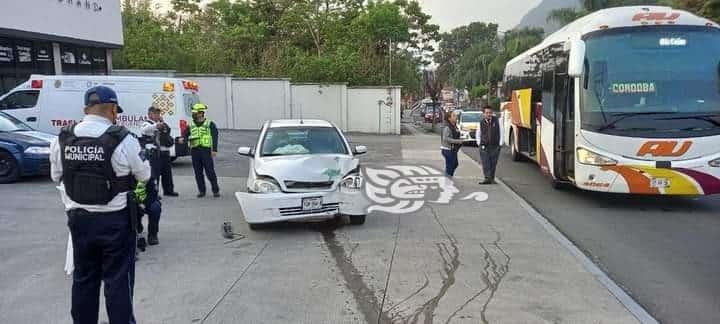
(514, 153)
(557, 185)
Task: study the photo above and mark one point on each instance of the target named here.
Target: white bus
(623, 100)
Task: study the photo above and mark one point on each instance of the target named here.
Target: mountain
(537, 17)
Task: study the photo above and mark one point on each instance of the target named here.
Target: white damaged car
(302, 170)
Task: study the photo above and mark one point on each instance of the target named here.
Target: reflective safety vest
(200, 136)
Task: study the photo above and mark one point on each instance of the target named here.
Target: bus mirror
(576, 63)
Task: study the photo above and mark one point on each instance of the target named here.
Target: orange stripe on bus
(636, 180)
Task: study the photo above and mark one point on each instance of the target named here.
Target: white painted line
(628, 302)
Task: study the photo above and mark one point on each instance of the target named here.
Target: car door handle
(31, 119)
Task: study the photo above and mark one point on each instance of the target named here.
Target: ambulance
(47, 103)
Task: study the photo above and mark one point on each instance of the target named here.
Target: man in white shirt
(97, 164)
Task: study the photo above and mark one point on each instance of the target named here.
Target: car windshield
(651, 81)
(10, 124)
(470, 117)
(302, 140)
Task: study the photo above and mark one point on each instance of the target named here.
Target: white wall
(247, 103)
(256, 100)
(320, 101)
(215, 92)
(367, 114)
(101, 22)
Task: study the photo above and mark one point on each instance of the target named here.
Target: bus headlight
(715, 163)
(589, 157)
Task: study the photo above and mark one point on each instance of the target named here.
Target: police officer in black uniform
(157, 140)
(98, 165)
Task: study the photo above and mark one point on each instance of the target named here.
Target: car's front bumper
(35, 164)
(279, 207)
(468, 136)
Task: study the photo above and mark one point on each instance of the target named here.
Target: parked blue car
(23, 151)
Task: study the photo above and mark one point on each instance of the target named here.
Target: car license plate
(313, 203)
(659, 182)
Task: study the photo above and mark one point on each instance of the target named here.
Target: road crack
(367, 301)
(496, 266)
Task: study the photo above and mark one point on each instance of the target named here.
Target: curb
(624, 298)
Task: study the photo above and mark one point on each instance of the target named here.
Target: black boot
(153, 239)
(141, 244)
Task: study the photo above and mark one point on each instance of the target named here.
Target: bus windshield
(652, 82)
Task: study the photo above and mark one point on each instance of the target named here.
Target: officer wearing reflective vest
(98, 165)
(202, 137)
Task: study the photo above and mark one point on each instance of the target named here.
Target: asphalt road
(462, 262)
(664, 251)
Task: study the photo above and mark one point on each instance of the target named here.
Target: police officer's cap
(101, 95)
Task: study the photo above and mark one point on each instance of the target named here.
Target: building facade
(57, 37)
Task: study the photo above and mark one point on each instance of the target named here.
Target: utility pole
(390, 52)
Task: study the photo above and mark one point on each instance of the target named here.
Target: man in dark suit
(489, 137)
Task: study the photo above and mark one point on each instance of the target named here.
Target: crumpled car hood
(310, 168)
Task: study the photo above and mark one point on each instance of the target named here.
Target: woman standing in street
(450, 143)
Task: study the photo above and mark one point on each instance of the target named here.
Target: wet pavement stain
(367, 301)
(492, 274)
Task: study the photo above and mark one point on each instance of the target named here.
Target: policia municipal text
(99, 165)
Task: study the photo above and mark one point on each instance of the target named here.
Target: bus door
(564, 144)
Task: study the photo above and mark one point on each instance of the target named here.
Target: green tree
(706, 8)
(354, 41)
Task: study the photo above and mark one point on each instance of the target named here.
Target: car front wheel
(9, 170)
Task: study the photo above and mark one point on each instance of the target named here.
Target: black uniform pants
(103, 251)
(162, 170)
(489, 155)
(153, 210)
(202, 160)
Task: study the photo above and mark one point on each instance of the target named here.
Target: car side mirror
(245, 151)
(360, 149)
(576, 63)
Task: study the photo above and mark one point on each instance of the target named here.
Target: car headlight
(715, 163)
(265, 185)
(37, 150)
(352, 182)
(589, 157)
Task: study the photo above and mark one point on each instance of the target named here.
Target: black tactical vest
(88, 175)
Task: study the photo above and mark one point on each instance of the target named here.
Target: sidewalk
(490, 262)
